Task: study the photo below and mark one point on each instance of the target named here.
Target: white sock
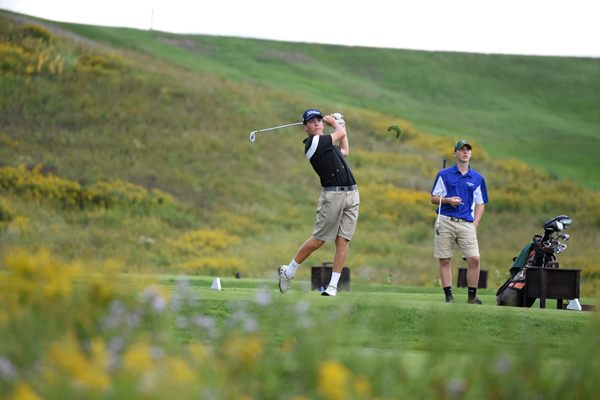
(335, 278)
(291, 269)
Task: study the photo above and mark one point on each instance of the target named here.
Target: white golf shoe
(330, 291)
(285, 283)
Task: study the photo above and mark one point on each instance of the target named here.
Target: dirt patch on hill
(186, 43)
(291, 57)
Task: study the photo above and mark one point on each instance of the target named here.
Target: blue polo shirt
(470, 187)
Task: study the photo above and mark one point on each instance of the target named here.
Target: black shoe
(475, 301)
(449, 299)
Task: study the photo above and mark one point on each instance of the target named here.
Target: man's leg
(446, 271)
(468, 245)
(446, 278)
(473, 276)
(287, 272)
(309, 247)
(341, 253)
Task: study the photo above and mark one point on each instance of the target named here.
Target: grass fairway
(389, 317)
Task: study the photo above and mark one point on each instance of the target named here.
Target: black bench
(320, 276)
(552, 283)
(462, 278)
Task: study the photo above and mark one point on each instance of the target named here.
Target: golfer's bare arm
(344, 147)
(338, 135)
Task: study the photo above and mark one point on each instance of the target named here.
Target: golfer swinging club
(337, 212)
(463, 194)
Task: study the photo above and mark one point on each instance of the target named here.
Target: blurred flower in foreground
(24, 392)
(85, 370)
(204, 322)
(263, 297)
(7, 369)
(207, 323)
(181, 322)
(302, 307)
(243, 351)
(157, 302)
(457, 387)
(36, 279)
(333, 380)
(288, 346)
(138, 359)
(362, 387)
(250, 325)
(503, 365)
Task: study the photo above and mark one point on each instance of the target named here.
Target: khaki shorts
(337, 215)
(461, 233)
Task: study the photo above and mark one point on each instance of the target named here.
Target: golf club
(253, 134)
(437, 222)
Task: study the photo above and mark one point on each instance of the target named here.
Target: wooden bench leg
(543, 289)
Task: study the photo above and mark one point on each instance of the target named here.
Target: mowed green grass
(540, 110)
(391, 317)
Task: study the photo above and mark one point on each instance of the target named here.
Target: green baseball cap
(462, 143)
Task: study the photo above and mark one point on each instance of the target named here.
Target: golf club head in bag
(556, 224)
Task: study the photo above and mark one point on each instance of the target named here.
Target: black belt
(339, 188)
(456, 219)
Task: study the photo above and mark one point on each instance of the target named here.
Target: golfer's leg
(473, 271)
(446, 271)
(341, 252)
(307, 249)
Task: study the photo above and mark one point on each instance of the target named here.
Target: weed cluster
(68, 333)
(33, 185)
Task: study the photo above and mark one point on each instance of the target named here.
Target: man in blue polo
(463, 195)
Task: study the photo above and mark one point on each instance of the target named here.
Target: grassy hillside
(99, 120)
(540, 110)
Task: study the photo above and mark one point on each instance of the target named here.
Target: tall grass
(68, 333)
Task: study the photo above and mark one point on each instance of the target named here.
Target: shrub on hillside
(6, 213)
(33, 185)
(29, 51)
(39, 32)
(99, 64)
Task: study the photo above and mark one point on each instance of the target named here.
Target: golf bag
(538, 254)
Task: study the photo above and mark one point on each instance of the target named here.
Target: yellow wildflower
(197, 350)
(138, 357)
(362, 387)
(333, 380)
(244, 351)
(178, 371)
(86, 370)
(24, 392)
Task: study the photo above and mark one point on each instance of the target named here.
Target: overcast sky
(535, 27)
